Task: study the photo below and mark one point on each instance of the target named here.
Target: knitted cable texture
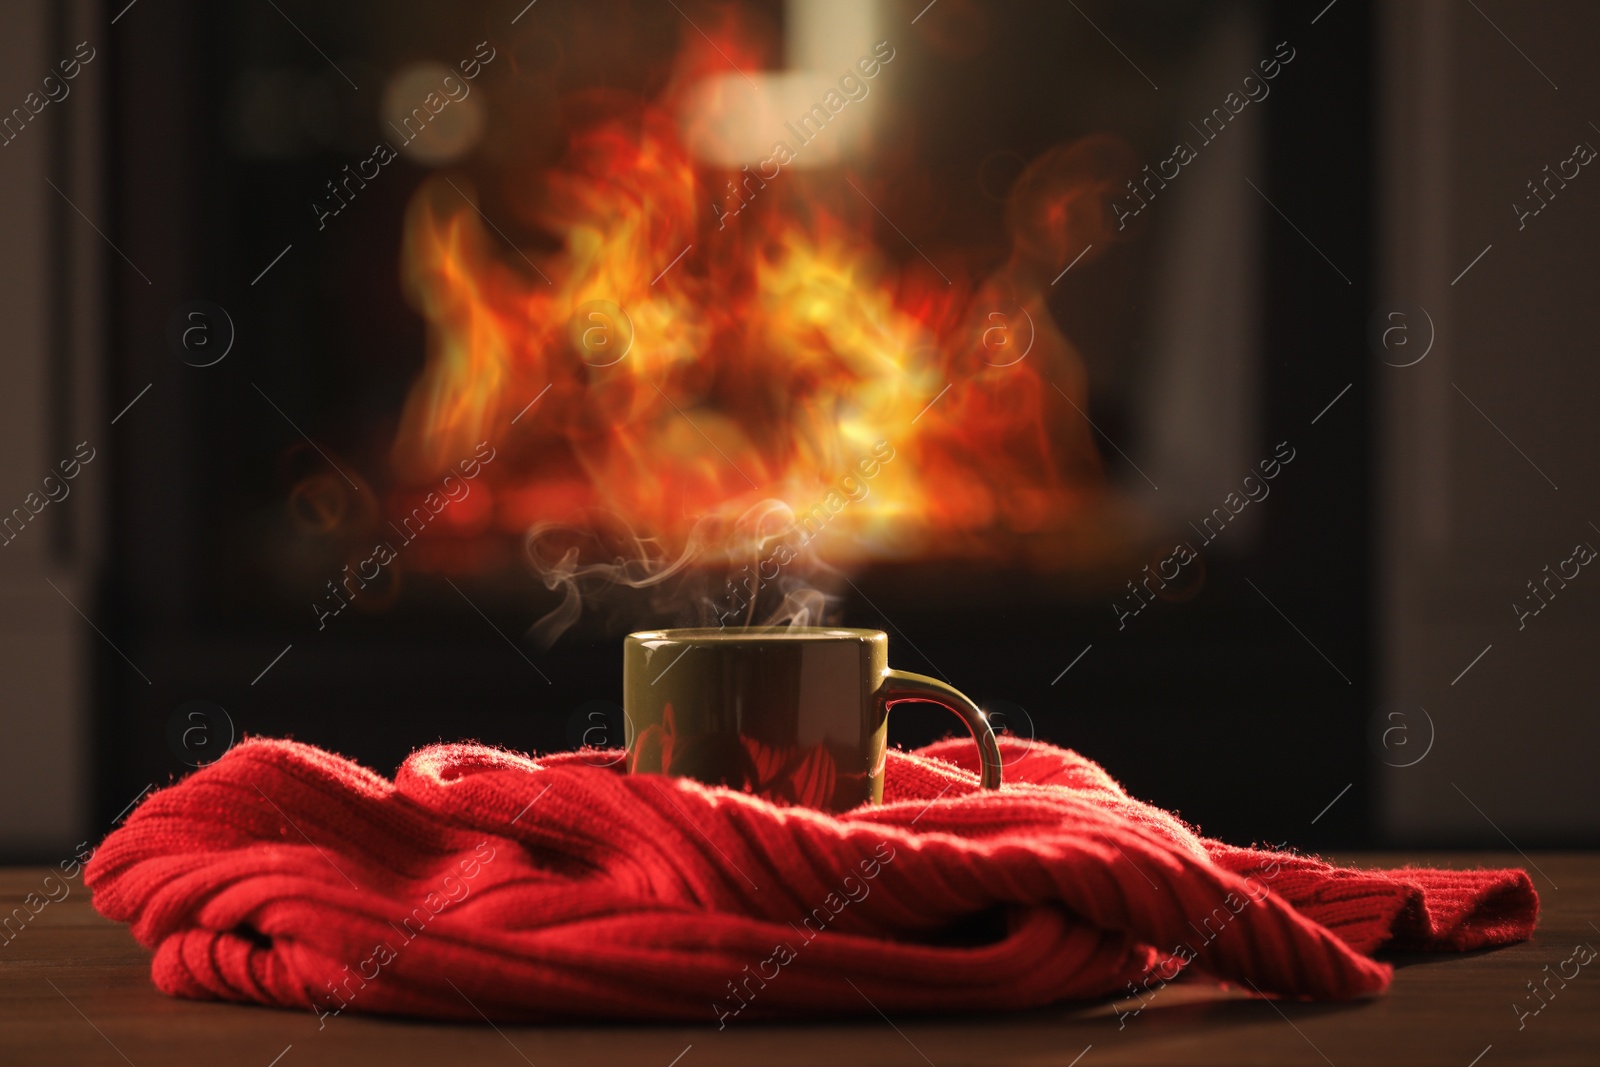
(557, 888)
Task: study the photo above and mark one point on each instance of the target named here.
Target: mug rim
(755, 634)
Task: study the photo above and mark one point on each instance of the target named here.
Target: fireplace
(532, 340)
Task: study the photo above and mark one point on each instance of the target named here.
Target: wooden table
(75, 989)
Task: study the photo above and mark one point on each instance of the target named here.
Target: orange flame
(667, 365)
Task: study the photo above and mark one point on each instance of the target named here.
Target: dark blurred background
(1339, 271)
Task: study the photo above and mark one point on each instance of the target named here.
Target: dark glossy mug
(798, 715)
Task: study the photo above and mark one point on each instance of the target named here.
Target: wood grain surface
(75, 989)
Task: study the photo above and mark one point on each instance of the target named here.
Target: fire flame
(671, 365)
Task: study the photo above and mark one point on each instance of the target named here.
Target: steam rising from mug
(763, 552)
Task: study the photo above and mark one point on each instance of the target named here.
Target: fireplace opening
(626, 315)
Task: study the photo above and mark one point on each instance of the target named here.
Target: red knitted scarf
(560, 888)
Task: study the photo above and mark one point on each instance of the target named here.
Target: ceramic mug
(798, 715)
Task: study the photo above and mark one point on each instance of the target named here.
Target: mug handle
(901, 686)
